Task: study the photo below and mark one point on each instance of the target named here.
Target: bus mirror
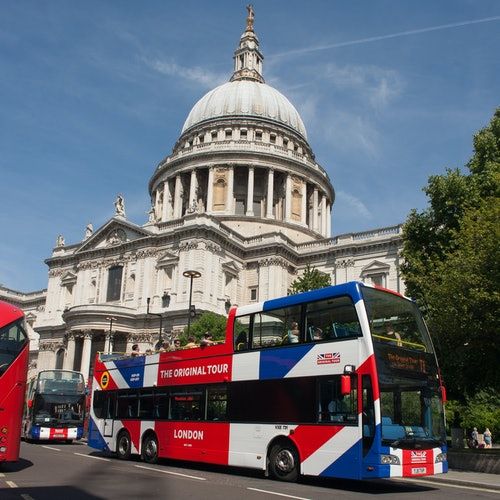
(443, 394)
(30, 403)
(345, 385)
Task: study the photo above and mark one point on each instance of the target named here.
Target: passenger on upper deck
(191, 342)
(391, 334)
(135, 351)
(206, 340)
(293, 333)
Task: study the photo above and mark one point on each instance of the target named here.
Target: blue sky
(93, 95)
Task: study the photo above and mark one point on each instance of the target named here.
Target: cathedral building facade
(240, 205)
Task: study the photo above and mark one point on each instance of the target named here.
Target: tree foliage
(207, 322)
(310, 280)
(451, 265)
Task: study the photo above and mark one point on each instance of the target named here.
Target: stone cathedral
(241, 200)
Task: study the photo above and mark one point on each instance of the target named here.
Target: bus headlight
(441, 457)
(389, 460)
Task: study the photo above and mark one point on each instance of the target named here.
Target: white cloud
(379, 85)
(353, 203)
(196, 74)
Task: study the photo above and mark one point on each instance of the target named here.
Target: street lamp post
(160, 339)
(191, 275)
(109, 349)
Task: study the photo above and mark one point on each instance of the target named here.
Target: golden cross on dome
(250, 17)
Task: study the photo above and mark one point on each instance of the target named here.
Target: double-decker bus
(55, 406)
(14, 355)
(338, 382)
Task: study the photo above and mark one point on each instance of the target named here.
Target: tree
(207, 322)
(310, 280)
(451, 265)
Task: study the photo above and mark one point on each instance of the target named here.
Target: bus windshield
(12, 339)
(411, 408)
(50, 409)
(60, 382)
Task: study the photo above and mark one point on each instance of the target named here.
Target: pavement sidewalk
(466, 478)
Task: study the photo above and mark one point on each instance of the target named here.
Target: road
(55, 471)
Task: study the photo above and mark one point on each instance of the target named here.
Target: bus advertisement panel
(55, 407)
(14, 355)
(313, 383)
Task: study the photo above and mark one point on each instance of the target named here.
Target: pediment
(375, 266)
(231, 267)
(167, 259)
(114, 233)
(68, 278)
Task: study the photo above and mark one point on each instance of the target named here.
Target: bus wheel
(150, 449)
(123, 445)
(284, 462)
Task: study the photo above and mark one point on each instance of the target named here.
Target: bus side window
(368, 413)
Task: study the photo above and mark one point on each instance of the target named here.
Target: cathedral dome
(247, 98)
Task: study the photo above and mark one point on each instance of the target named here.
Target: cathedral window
(296, 205)
(258, 135)
(201, 139)
(253, 294)
(272, 138)
(243, 133)
(114, 283)
(285, 142)
(220, 195)
(229, 133)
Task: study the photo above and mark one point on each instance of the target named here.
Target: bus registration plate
(418, 470)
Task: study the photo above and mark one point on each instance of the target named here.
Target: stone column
(288, 198)
(192, 189)
(157, 205)
(303, 208)
(108, 343)
(177, 197)
(250, 191)
(315, 209)
(270, 193)
(164, 208)
(230, 191)
(87, 347)
(328, 220)
(323, 215)
(70, 352)
(210, 190)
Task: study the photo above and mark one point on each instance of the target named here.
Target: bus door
(109, 414)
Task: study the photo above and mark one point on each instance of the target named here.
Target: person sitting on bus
(135, 351)
(177, 344)
(393, 337)
(191, 342)
(206, 340)
(242, 341)
(293, 334)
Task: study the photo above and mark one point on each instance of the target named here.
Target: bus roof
(9, 313)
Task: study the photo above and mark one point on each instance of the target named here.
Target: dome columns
(245, 190)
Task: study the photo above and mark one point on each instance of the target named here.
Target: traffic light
(192, 311)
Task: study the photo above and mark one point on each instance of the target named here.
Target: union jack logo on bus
(327, 358)
(418, 457)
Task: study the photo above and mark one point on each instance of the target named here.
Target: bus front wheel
(150, 449)
(284, 462)
(123, 446)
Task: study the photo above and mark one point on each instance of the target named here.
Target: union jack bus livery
(337, 382)
(55, 407)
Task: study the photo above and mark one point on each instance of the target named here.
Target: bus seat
(386, 421)
(393, 431)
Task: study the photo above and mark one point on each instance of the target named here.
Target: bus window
(277, 327)
(161, 403)
(127, 404)
(332, 406)
(242, 327)
(146, 405)
(331, 319)
(217, 403)
(187, 405)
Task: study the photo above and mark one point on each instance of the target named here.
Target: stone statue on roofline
(120, 206)
(60, 241)
(89, 230)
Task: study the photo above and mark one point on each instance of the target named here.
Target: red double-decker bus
(14, 354)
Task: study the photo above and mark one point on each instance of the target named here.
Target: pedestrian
(475, 438)
(488, 439)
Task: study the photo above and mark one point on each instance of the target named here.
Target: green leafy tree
(310, 280)
(207, 322)
(451, 266)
